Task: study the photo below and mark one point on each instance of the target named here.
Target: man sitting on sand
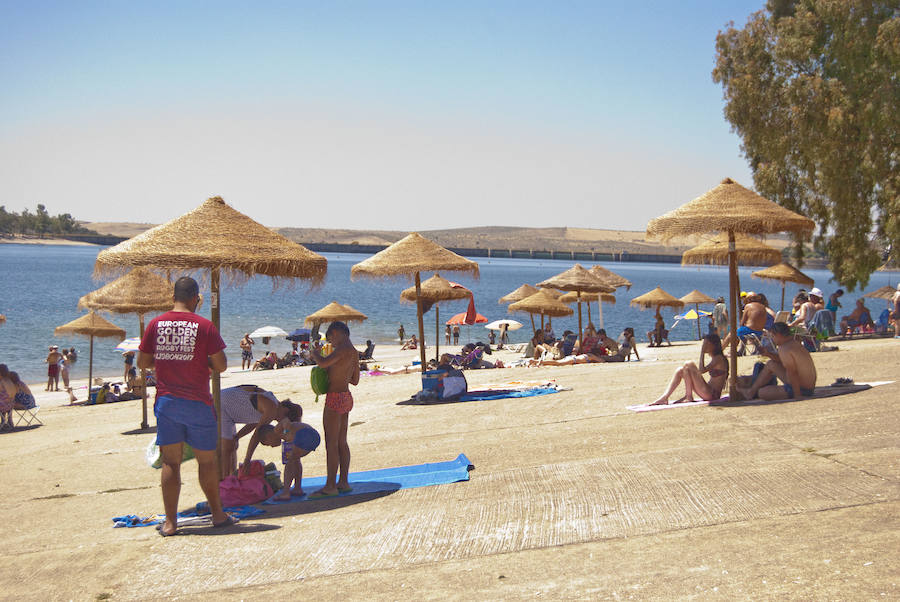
(860, 316)
(793, 366)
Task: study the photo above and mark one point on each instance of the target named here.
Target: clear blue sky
(388, 114)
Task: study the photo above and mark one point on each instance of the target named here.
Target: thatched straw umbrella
(524, 291)
(696, 297)
(140, 292)
(217, 238)
(885, 292)
(335, 312)
(579, 280)
(544, 303)
(600, 298)
(436, 290)
(90, 325)
(784, 272)
(657, 298)
(749, 251)
(410, 256)
(731, 208)
(611, 278)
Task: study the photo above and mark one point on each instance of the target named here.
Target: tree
(811, 87)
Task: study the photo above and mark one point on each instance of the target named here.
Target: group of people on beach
(184, 349)
(59, 364)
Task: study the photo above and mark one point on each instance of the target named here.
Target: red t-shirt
(180, 343)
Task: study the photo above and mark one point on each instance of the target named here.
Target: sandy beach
(572, 496)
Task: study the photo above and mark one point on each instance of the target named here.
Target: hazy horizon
(362, 116)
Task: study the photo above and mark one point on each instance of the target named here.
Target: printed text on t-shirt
(175, 339)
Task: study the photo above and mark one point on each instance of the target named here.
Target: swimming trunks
(52, 369)
(185, 420)
(340, 402)
(743, 331)
(790, 391)
(246, 354)
(307, 439)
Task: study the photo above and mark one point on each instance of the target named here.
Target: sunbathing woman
(693, 376)
(626, 348)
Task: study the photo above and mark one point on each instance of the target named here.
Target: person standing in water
(342, 365)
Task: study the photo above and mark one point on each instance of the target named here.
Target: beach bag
(318, 380)
(235, 491)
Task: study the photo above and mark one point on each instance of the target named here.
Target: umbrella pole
(421, 323)
(533, 329)
(578, 295)
(599, 313)
(437, 332)
(90, 368)
(542, 321)
(697, 309)
(216, 381)
(144, 423)
(732, 317)
(782, 295)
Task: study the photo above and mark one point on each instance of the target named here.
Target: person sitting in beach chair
(367, 354)
(659, 332)
(859, 318)
(267, 362)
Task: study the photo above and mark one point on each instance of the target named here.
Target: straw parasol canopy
(90, 325)
(580, 280)
(218, 237)
(696, 298)
(784, 272)
(750, 251)
(885, 292)
(657, 298)
(140, 292)
(410, 256)
(542, 303)
(587, 298)
(526, 290)
(731, 208)
(610, 277)
(335, 312)
(433, 291)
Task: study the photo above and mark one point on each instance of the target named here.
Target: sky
(403, 115)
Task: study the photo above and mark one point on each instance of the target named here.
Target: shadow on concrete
(238, 529)
(307, 506)
(146, 431)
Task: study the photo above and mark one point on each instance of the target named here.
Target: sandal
(228, 522)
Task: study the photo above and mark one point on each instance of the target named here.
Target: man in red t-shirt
(184, 347)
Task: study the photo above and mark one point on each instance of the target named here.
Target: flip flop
(226, 523)
(159, 529)
(318, 495)
(345, 489)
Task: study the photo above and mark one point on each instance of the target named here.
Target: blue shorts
(185, 420)
(790, 391)
(307, 439)
(743, 331)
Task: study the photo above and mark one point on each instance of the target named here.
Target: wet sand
(572, 496)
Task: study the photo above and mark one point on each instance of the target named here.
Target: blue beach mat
(507, 393)
(198, 516)
(392, 479)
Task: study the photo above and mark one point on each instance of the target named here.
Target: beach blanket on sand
(200, 515)
(820, 392)
(392, 479)
(505, 390)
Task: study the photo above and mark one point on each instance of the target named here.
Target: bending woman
(693, 376)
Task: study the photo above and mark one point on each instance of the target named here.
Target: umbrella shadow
(307, 506)
(146, 431)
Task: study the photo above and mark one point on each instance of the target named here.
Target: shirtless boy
(343, 370)
(793, 366)
(52, 360)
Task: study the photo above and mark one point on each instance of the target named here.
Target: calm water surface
(41, 286)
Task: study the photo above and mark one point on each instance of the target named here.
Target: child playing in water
(297, 440)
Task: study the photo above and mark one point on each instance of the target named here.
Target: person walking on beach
(342, 365)
(183, 348)
(246, 351)
(52, 360)
(456, 334)
(447, 333)
(401, 334)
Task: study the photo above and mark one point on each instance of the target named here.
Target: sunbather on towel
(793, 366)
(692, 375)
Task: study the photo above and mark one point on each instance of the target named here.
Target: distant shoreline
(36, 240)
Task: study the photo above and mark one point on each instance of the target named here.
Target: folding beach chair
(28, 416)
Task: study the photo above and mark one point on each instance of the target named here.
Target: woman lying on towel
(693, 376)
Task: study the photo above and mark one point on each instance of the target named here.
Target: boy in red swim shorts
(343, 370)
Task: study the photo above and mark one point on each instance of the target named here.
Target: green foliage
(811, 86)
(40, 223)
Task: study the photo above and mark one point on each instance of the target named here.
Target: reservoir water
(40, 286)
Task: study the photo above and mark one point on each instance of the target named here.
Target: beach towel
(488, 394)
(392, 479)
(199, 515)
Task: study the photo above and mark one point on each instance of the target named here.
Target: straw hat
(139, 291)
(577, 278)
(335, 312)
(524, 291)
(215, 236)
(784, 272)
(750, 251)
(543, 303)
(411, 255)
(656, 298)
(728, 206)
(572, 297)
(697, 297)
(610, 277)
(435, 290)
(90, 324)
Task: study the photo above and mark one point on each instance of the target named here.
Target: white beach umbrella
(268, 332)
(131, 344)
(510, 325)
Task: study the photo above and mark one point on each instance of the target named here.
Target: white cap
(817, 292)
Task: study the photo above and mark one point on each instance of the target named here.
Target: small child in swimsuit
(297, 440)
